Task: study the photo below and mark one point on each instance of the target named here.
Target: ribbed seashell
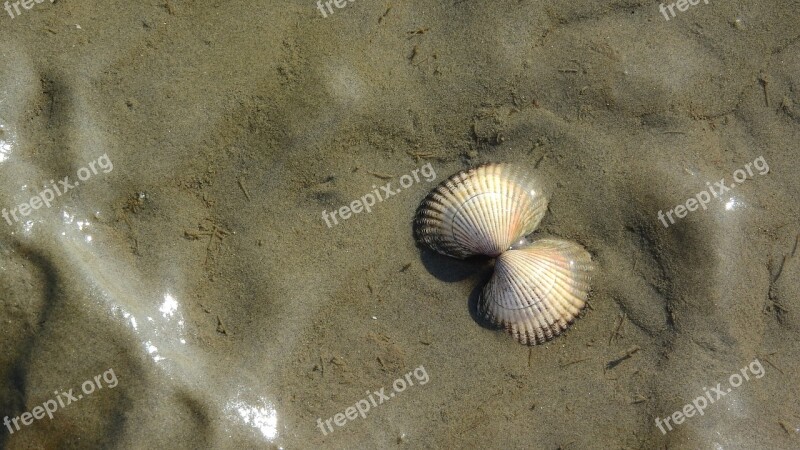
(483, 210)
(538, 289)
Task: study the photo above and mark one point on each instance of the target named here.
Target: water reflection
(158, 333)
(6, 144)
(262, 416)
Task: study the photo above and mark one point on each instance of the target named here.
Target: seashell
(538, 289)
(483, 210)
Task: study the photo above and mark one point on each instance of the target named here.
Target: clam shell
(537, 290)
(483, 210)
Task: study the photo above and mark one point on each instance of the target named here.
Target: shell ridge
(538, 288)
(532, 310)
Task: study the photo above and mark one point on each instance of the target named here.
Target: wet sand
(202, 271)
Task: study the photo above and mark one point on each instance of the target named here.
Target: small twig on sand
(615, 362)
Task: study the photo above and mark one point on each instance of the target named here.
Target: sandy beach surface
(171, 276)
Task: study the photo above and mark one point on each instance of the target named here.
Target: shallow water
(182, 286)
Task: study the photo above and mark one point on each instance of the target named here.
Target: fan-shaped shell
(537, 290)
(483, 210)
